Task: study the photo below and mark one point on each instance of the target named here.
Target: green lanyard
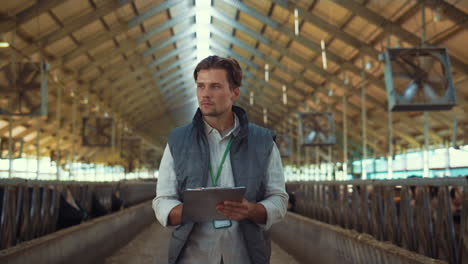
(220, 168)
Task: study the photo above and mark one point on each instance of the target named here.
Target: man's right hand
(175, 216)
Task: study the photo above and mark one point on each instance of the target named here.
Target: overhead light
(437, 16)
(267, 72)
(251, 98)
(285, 95)
(3, 42)
(296, 22)
(324, 55)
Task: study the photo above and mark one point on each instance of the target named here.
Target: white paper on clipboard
(200, 204)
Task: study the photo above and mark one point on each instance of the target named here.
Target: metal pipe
(38, 147)
(445, 181)
(345, 134)
(329, 165)
(405, 159)
(454, 132)
(317, 160)
(307, 164)
(298, 145)
(390, 146)
(10, 146)
(426, 145)
(57, 140)
(447, 160)
(72, 158)
(10, 118)
(364, 121)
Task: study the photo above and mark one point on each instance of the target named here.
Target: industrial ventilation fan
(17, 148)
(284, 143)
(316, 129)
(97, 131)
(26, 91)
(418, 79)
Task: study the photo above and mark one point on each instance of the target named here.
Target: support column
(447, 160)
(57, 136)
(10, 146)
(72, 156)
(390, 146)
(426, 146)
(317, 164)
(345, 135)
(364, 121)
(38, 147)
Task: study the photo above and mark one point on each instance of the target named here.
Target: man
(221, 148)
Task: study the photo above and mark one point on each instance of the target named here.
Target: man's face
(214, 95)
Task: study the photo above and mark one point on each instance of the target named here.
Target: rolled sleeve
(166, 191)
(276, 200)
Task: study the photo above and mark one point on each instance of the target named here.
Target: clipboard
(200, 204)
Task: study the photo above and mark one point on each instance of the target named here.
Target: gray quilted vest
(249, 155)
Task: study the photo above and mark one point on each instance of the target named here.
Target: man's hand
(244, 210)
(175, 216)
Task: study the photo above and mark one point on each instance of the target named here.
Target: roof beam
(175, 87)
(396, 29)
(28, 14)
(170, 54)
(114, 30)
(167, 25)
(152, 11)
(347, 65)
(174, 75)
(289, 54)
(178, 63)
(186, 33)
(76, 23)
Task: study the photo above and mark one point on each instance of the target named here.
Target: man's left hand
(244, 210)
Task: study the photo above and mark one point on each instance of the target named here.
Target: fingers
(234, 210)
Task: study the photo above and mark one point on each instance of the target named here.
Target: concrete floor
(144, 249)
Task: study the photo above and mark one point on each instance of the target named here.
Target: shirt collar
(234, 130)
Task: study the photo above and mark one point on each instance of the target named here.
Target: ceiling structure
(133, 61)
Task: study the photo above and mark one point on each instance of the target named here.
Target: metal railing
(415, 214)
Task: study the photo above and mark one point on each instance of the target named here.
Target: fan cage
(39, 106)
(320, 123)
(17, 148)
(444, 97)
(97, 131)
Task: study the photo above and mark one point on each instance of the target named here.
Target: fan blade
(13, 103)
(9, 75)
(34, 76)
(436, 80)
(429, 92)
(402, 75)
(415, 67)
(311, 136)
(410, 91)
(29, 103)
(323, 137)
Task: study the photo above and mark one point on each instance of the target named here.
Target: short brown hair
(232, 67)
